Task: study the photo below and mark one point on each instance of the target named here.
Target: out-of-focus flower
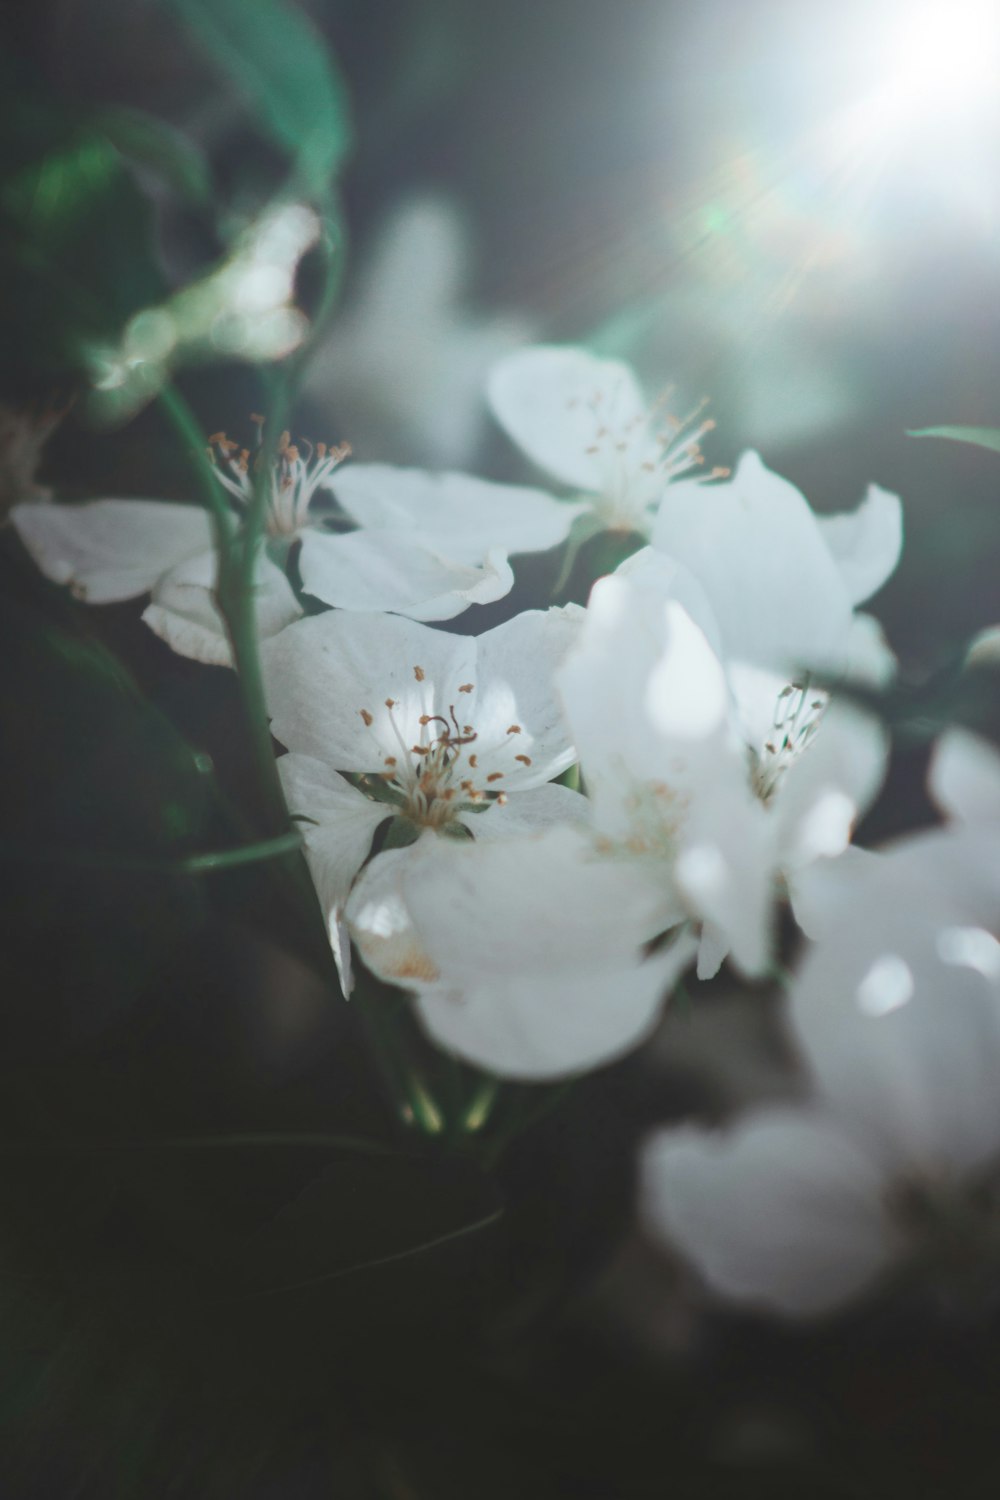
(720, 822)
(243, 309)
(896, 1011)
(452, 734)
(526, 956)
(405, 362)
(584, 421)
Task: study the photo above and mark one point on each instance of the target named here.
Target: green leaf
(279, 61)
(980, 437)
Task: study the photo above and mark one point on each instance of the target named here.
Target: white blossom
(723, 816)
(896, 1012)
(453, 734)
(584, 421)
(428, 545)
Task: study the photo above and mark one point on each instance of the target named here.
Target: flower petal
(393, 570)
(964, 777)
(462, 516)
(558, 402)
(784, 1212)
(521, 984)
(338, 840)
(109, 550)
(530, 811)
(754, 545)
(866, 543)
(325, 672)
(183, 611)
(829, 785)
(514, 677)
(897, 1006)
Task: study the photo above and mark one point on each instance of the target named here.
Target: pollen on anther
(502, 800)
(467, 687)
(513, 729)
(369, 720)
(390, 703)
(419, 673)
(524, 759)
(420, 750)
(424, 719)
(495, 776)
(473, 761)
(390, 760)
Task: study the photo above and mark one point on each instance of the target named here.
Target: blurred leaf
(76, 247)
(157, 146)
(280, 62)
(981, 437)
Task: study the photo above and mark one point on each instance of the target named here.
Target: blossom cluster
(536, 831)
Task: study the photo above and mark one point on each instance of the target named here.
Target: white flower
(584, 421)
(526, 956)
(454, 734)
(720, 820)
(896, 1011)
(405, 361)
(110, 550)
(429, 544)
(783, 583)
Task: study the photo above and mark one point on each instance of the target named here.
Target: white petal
(556, 403)
(534, 949)
(514, 678)
(783, 1213)
(819, 891)
(964, 777)
(109, 550)
(337, 840)
(902, 1033)
(868, 658)
(529, 811)
(726, 868)
(463, 516)
(829, 785)
(183, 611)
(866, 543)
(539, 1028)
(392, 570)
(643, 691)
(324, 672)
(379, 920)
(754, 545)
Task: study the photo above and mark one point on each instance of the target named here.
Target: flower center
(436, 777)
(640, 455)
(294, 478)
(797, 715)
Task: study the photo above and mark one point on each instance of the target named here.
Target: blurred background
(790, 207)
